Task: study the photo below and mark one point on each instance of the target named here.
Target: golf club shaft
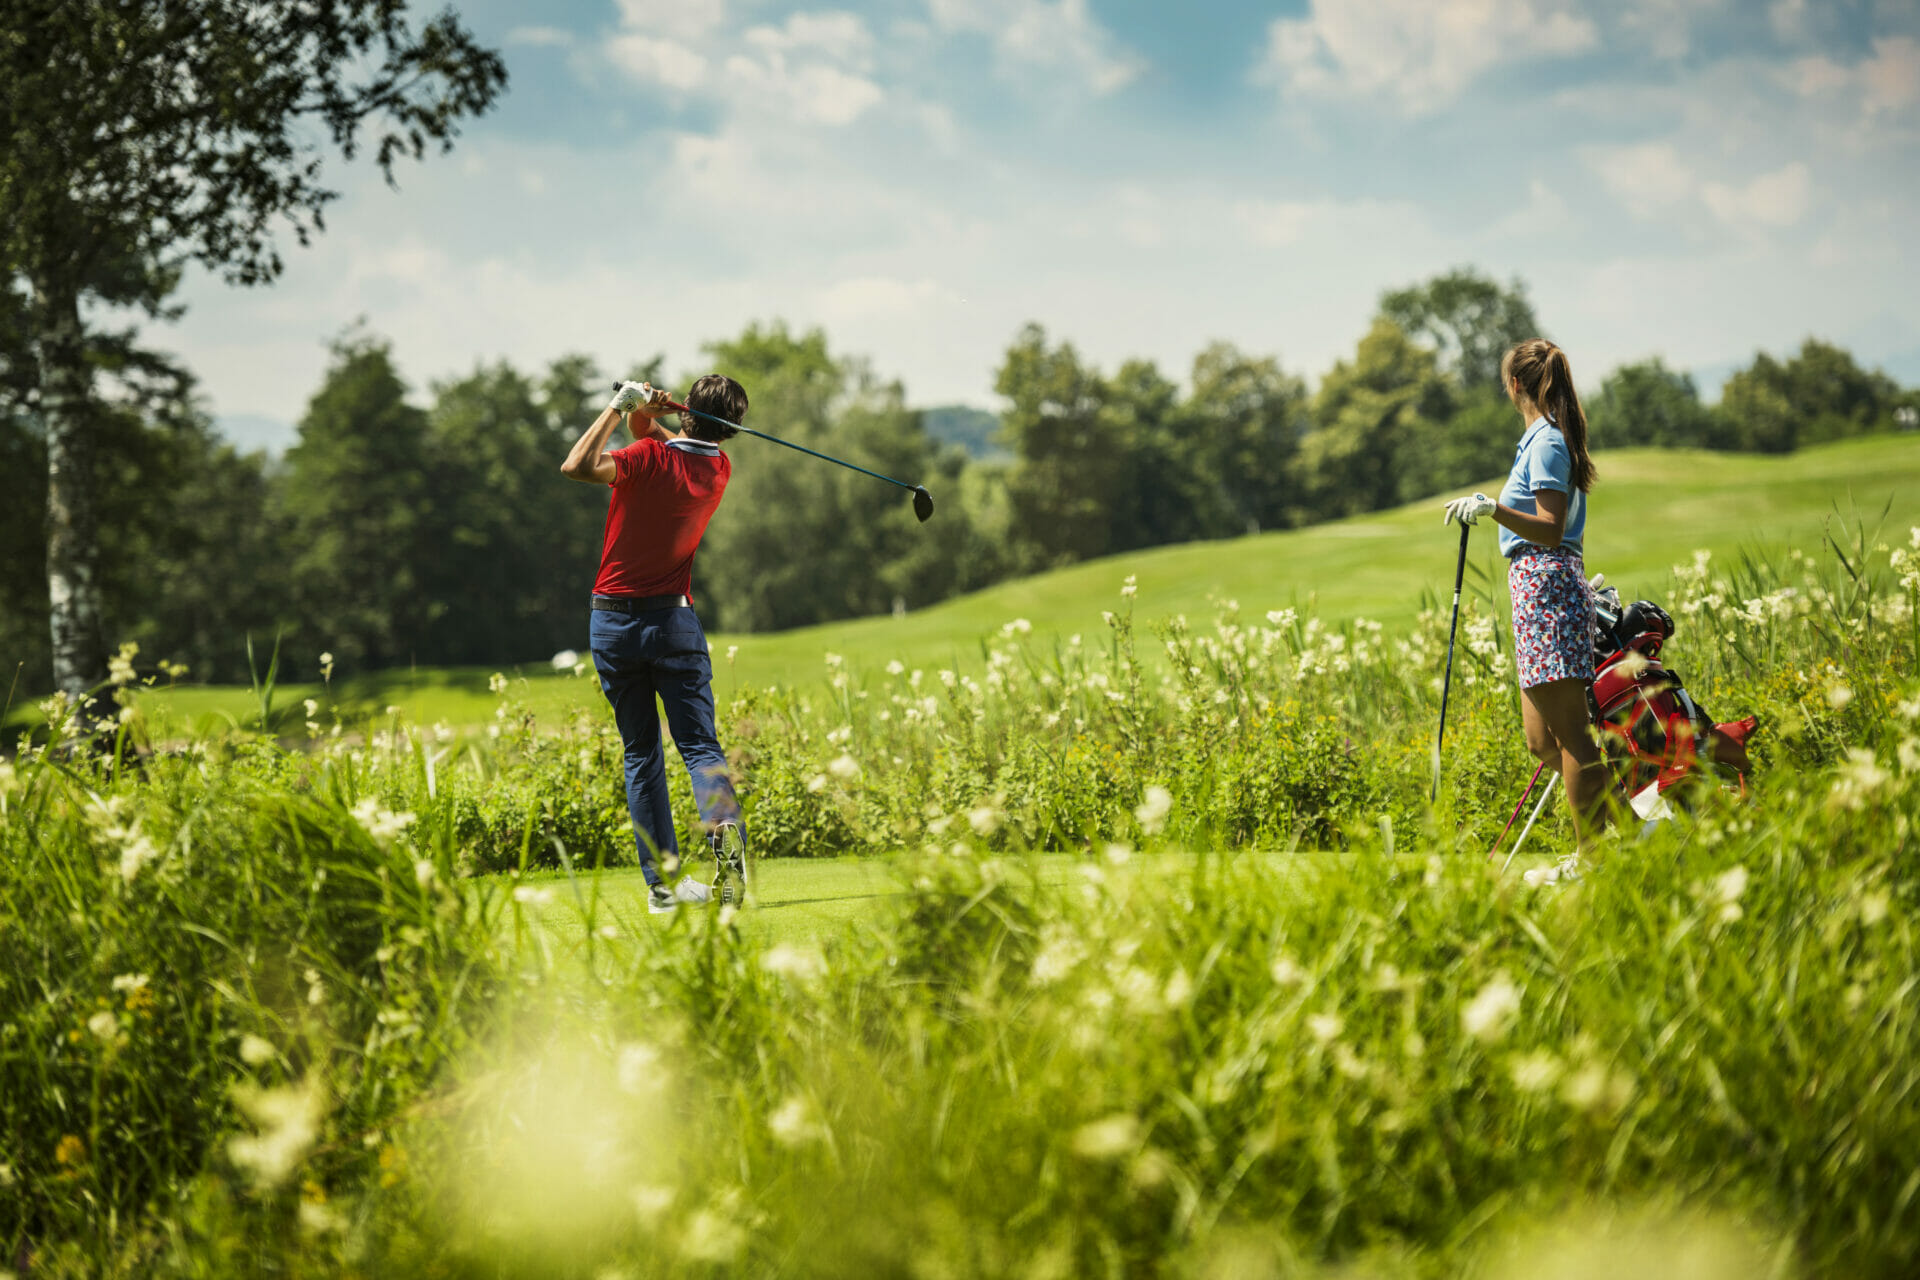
(824, 457)
(1515, 815)
(1446, 684)
(1546, 794)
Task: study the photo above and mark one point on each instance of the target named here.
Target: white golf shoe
(693, 892)
(661, 900)
(1564, 871)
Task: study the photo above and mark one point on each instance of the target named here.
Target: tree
(1246, 417)
(1470, 320)
(1370, 415)
(138, 136)
(1071, 457)
(357, 501)
(1820, 393)
(1648, 403)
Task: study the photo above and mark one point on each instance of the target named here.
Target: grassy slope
(1651, 510)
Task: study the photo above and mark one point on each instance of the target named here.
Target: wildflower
(817, 783)
(1725, 892)
(70, 1151)
(120, 665)
(1325, 1027)
(423, 872)
(789, 961)
(1535, 1072)
(796, 1124)
(984, 820)
(896, 667)
(1059, 954)
(326, 666)
(1909, 753)
(136, 854)
(1857, 780)
(497, 682)
(312, 707)
(1593, 1087)
(713, 1234)
(1873, 907)
(287, 1123)
(130, 982)
(1838, 695)
(1106, 1139)
(316, 989)
(1118, 854)
(255, 1051)
(1129, 587)
(530, 895)
(1106, 615)
(1153, 810)
(1286, 973)
(381, 823)
(845, 768)
(1489, 1014)
(565, 660)
(834, 660)
(104, 1025)
(1280, 619)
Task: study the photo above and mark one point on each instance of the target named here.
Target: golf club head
(922, 503)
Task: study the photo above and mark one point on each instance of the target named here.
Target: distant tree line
(437, 529)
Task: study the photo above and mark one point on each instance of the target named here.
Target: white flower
(497, 682)
(1857, 780)
(531, 895)
(130, 981)
(120, 666)
(1286, 973)
(254, 1051)
(1535, 1072)
(1838, 696)
(1873, 907)
(845, 768)
(796, 1123)
(985, 820)
(103, 1024)
(1106, 615)
(651, 1202)
(312, 707)
(817, 783)
(381, 823)
(1059, 954)
(896, 667)
(1325, 1027)
(834, 660)
(1280, 619)
(423, 872)
(1106, 1139)
(135, 854)
(637, 1066)
(565, 660)
(1019, 626)
(790, 961)
(326, 666)
(1489, 1015)
(1153, 810)
(288, 1124)
(1129, 587)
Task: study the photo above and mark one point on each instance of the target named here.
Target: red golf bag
(1652, 730)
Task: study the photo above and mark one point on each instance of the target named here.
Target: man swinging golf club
(646, 639)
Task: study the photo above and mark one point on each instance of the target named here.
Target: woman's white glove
(629, 396)
(1469, 510)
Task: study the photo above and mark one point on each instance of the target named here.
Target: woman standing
(1542, 514)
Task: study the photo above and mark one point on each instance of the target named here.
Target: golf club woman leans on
(1542, 514)
(646, 640)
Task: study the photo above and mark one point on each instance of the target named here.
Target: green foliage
(1648, 403)
(1820, 393)
(1470, 320)
(252, 1023)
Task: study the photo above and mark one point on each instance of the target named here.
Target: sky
(1696, 179)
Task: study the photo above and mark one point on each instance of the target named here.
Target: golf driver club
(922, 500)
(1446, 685)
(1515, 815)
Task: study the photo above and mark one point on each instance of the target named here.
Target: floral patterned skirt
(1552, 616)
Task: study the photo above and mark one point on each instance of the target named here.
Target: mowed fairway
(1651, 510)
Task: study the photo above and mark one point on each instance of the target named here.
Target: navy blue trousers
(663, 653)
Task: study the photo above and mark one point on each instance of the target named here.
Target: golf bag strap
(640, 604)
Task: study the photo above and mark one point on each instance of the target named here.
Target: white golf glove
(1469, 510)
(629, 396)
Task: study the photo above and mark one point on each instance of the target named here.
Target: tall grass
(257, 1018)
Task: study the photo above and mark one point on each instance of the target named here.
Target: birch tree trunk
(73, 586)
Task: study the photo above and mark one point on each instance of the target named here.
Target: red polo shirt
(663, 496)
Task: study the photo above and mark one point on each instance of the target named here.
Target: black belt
(640, 604)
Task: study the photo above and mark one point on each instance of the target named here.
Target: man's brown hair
(720, 396)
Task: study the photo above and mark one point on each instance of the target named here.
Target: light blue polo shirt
(1543, 461)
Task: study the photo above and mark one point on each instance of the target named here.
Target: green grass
(1650, 511)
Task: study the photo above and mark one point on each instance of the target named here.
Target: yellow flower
(70, 1151)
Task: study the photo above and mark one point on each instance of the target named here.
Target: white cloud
(679, 19)
(1050, 35)
(1777, 199)
(1543, 213)
(1648, 178)
(839, 35)
(813, 93)
(1419, 54)
(666, 61)
(873, 297)
(539, 36)
(1788, 18)
(1274, 223)
(1891, 77)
